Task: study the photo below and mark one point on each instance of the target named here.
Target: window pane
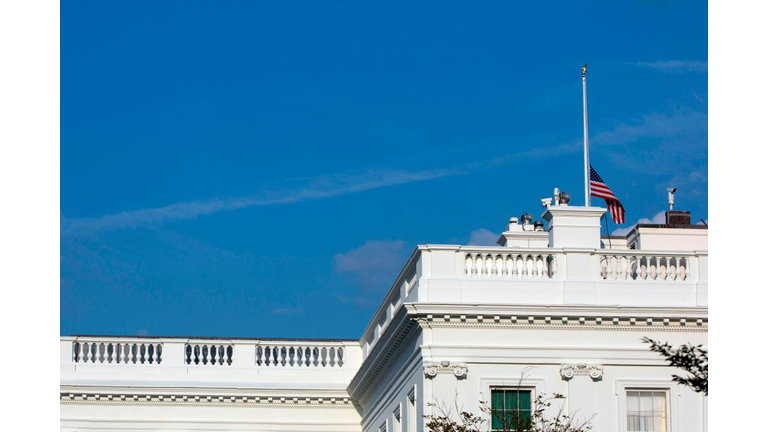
(646, 402)
(525, 400)
(497, 399)
(633, 402)
(646, 410)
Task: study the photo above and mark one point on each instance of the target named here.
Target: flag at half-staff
(598, 188)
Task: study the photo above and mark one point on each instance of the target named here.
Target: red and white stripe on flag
(598, 188)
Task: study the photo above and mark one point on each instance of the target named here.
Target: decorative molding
(205, 400)
(459, 370)
(563, 322)
(568, 371)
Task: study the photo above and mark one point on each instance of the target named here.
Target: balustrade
(646, 267)
(117, 352)
(208, 354)
(510, 264)
(273, 355)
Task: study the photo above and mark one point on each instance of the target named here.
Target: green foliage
(690, 358)
(536, 421)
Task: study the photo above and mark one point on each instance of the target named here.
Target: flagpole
(586, 137)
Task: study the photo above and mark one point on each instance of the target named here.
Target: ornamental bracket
(568, 371)
(459, 370)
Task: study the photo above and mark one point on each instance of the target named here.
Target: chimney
(678, 217)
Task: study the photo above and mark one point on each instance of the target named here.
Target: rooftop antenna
(671, 197)
(586, 137)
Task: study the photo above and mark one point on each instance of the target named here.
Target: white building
(555, 310)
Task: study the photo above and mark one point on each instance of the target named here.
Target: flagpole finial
(584, 70)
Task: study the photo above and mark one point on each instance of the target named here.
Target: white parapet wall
(207, 384)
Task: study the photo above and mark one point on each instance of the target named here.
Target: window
(508, 407)
(397, 420)
(412, 410)
(647, 410)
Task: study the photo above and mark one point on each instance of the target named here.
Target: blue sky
(263, 169)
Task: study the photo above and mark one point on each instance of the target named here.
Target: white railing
(522, 264)
(300, 355)
(111, 352)
(211, 354)
(640, 265)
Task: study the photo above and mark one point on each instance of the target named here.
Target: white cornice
(164, 397)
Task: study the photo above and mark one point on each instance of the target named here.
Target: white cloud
(374, 265)
(331, 185)
(677, 65)
(483, 237)
(658, 218)
(316, 188)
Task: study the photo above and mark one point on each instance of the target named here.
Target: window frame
(667, 397)
(519, 389)
(535, 383)
(673, 392)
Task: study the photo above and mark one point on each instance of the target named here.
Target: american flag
(598, 188)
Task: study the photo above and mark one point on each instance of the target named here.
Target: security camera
(671, 197)
(546, 202)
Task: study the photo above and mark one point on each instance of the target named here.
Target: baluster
(678, 270)
(332, 357)
(613, 264)
(188, 352)
(658, 269)
(118, 353)
(624, 264)
(94, 356)
(325, 356)
(643, 267)
(159, 351)
(633, 264)
(221, 354)
(552, 266)
(604, 266)
(307, 357)
(483, 266)
(76, 352)
(197, 354)
(505, 270)
(151, 353)
(539, 266)
(529, 265)
(143, 351)
(513, 271)
(206, 354)
(670, 269)
(474, 264)
(259, 352)
(687, 269)
(315, 357)
(467, 267)
(341, 356)
(494, 269)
